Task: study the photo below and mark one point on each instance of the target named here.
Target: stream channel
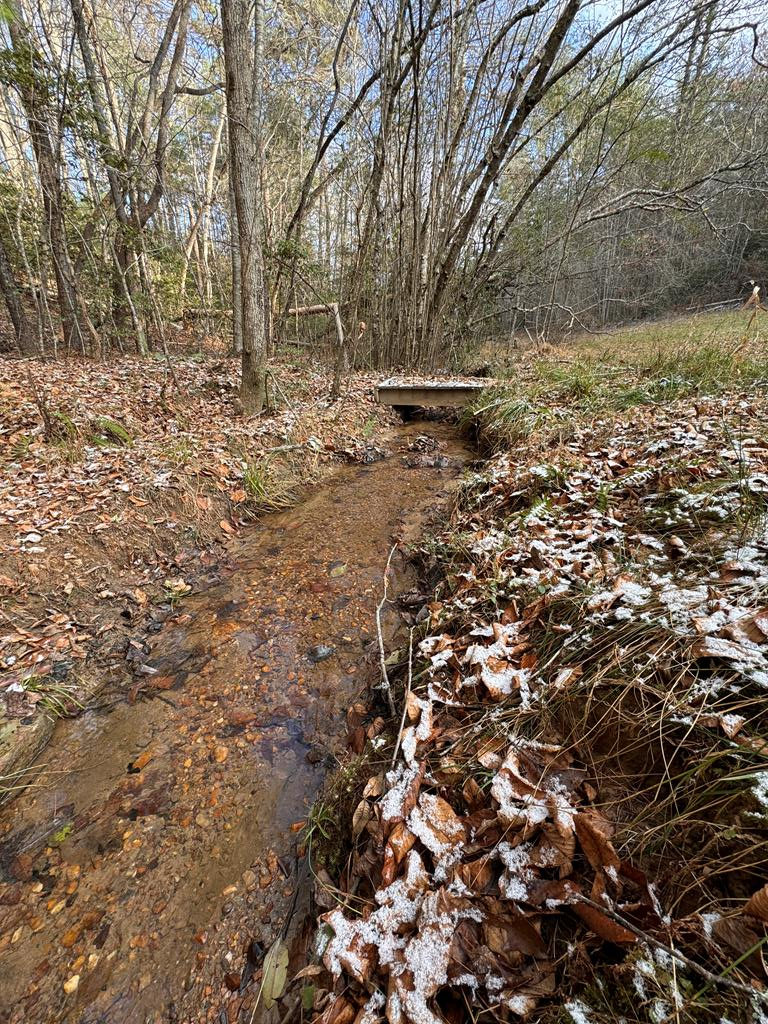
(154, 857)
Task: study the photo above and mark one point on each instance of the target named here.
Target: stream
(153, 858)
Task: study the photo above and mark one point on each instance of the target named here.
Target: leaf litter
(102, 527)
(577, 809)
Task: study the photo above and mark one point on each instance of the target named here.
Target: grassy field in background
(644, 341)
(644, 364)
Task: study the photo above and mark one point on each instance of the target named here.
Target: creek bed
(158, 841)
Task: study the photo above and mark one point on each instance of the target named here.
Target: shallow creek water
(158, 841)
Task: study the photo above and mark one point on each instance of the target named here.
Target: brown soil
(92, 531)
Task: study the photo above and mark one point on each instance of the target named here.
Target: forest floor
(566, 817)
(569, 822)
(107, 523)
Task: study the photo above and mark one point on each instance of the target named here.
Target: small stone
(21, 867)
(320, 653)
(232, 981)
(240, 717)
(70, 985)
(141, 761)
(220, 754)
(70, 937)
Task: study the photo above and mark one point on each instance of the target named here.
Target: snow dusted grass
(646, 554)
(586, 720)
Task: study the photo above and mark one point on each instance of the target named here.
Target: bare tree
(30, 82)
(25, 337)
(243, 39)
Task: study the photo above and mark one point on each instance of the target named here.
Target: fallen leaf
(310, 971)
(373, 787)
(592, 832)
(757, 904)
(604, 926)
(275, 973)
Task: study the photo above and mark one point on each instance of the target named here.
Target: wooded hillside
(437, 170)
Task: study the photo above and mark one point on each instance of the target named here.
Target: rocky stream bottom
(155, 855)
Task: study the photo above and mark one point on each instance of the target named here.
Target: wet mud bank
(153, 858)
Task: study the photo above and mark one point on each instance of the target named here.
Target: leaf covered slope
(573, 827)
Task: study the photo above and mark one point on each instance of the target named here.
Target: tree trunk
(77, 329)
(25, 336)
(200, 223)
(242, 59)
(234, 248)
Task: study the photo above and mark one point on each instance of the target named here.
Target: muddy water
(158, 843)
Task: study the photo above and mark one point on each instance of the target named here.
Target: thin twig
(382, 654)
(715, 979)
(279, 389)
(407, 695)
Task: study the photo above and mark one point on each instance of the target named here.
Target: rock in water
(320, 653)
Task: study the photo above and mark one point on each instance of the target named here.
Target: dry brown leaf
(554, 849)
(757, 904)
(593, 833)
(477, 875)
(310, 971)
(566, 676)
(374, 787)
(440, 826)
(730, 724)
(473, 795)
(739, 935)
(505, 928)
(360, 818)
(412, 707)
(401, 840)
(489, 752)
(604, 926)
(340, 1011)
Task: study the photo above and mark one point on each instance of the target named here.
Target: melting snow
(580, 1013)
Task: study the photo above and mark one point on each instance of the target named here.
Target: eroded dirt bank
(157, 844)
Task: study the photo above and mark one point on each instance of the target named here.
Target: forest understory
(553, 806)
